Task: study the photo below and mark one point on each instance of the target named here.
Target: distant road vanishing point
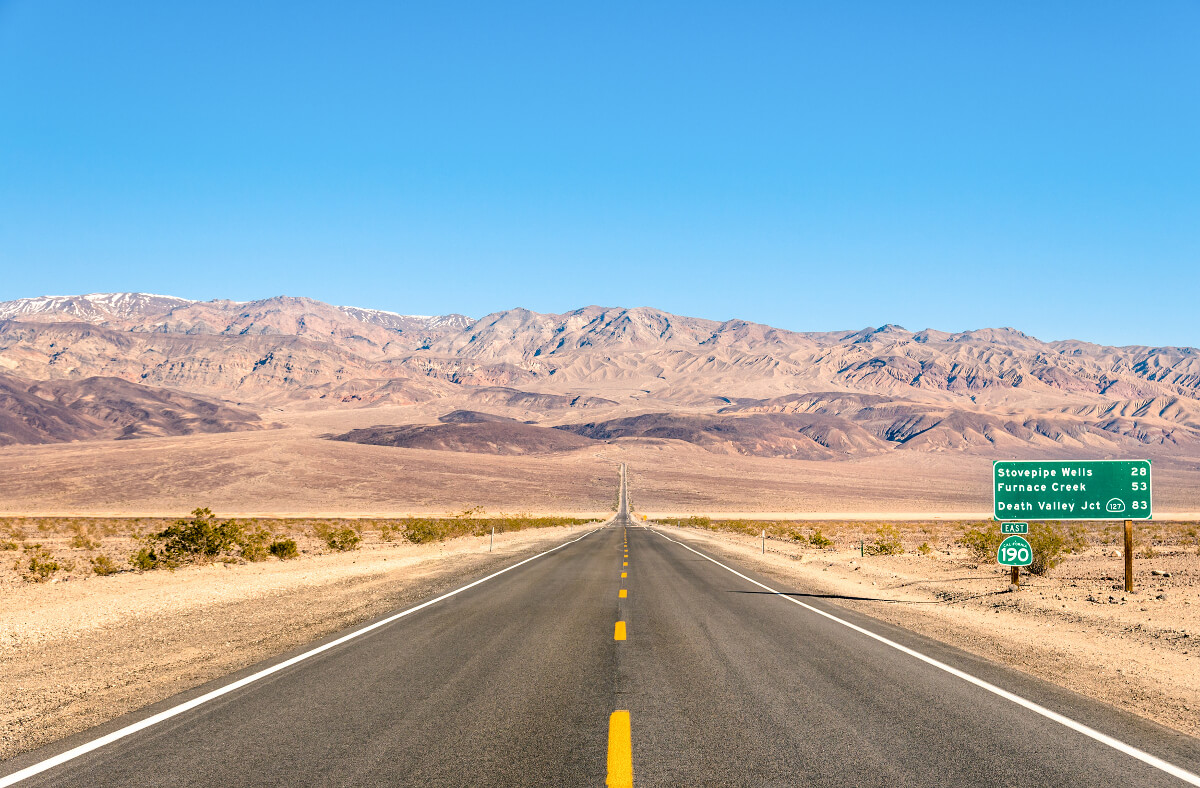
(620, 657)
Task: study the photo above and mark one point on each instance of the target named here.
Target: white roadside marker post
(764, 541)
(492, 541)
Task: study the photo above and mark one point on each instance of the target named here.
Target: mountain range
(128, 365)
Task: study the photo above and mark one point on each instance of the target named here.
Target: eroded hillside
(641, 374)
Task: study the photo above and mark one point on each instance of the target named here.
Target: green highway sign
(1014, 528)
(1015, 551)
(1071, 490)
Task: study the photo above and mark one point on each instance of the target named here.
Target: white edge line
(174, 711)
(1116, 744)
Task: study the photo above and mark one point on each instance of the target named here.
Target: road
(523, 679)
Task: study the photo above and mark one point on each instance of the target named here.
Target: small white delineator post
(764, 541)
(492, 541)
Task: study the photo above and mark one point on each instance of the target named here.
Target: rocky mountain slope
(57, 411)
(728, 386)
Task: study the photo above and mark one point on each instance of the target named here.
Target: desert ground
(296, 471)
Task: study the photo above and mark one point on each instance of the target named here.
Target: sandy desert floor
(293, 471)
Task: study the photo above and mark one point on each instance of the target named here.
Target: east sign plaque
(1071, 490)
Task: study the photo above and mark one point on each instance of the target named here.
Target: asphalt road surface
(523, 680)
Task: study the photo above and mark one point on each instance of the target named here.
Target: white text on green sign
(1072, 489)
(1014, 528)
(1015, 551)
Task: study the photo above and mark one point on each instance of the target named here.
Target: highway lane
(713, 681)
(728, 684)
(508, 683)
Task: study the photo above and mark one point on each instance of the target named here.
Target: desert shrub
(42, 564)
(695, 521)
(340, 539)
(103, 565)
(746, 527)
(256, 545)
(387, 532)
(983, 540)
(1048, 541)
(83, 540)
(8, 545)
(924, 548)
(14, 531)
(144, 559)
(886, 542)
(198, 539)
(819, 540)
(469, 514)
(1076, 540)
(425, 530)
(1147, 550)
(284, 549)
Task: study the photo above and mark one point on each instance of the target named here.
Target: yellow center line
(620, 751)
(622, 593)
(626, 563)
(624, 574)
(619, 632)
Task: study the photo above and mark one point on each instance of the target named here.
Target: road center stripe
(1092, 733)
(619, 631)
(620, 751)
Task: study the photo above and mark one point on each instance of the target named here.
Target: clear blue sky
(809, 165)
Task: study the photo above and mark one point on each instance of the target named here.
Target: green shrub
(103, 565)
(8, 545)
(887, 542)
(41, 564)
(924, 548)
(819, 540)
(983, 540)
(256, 545)
(144, 559)
(1048, 541)
(423, 531)
(340, 539)
(284, 549)
(201, 538)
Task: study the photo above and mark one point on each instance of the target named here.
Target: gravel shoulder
(1074, 627)
(77, 654)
